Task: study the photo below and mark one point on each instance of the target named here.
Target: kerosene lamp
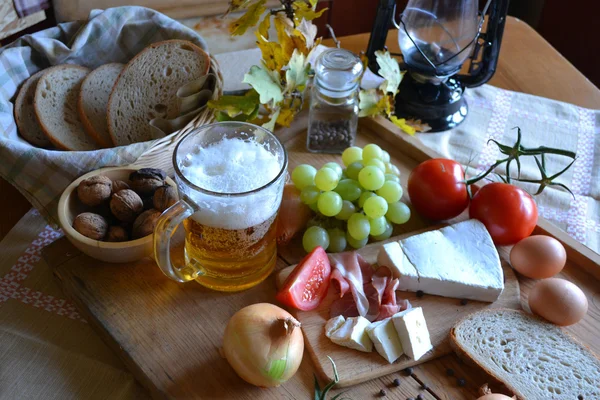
(436, 37)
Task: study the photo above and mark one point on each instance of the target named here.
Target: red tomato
(508, 212)
(307, 285)
(437, 189)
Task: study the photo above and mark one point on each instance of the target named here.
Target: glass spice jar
(333, 115)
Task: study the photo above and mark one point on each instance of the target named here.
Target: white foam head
(234, 166)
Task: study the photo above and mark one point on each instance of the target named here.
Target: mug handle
(165, 227)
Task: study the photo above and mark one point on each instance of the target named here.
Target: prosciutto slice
(363, 291)
(355, 271)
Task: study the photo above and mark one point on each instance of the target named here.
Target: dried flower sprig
(518, 150)
(322, 394)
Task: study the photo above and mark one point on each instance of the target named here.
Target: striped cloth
(114, 35)
(28, 7)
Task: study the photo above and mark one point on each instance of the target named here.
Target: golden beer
(232, 259)
(230, 179)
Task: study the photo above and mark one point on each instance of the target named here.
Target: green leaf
(390, 71)
(266, 83)
(270, 125)
(249, 19)
(222, 116)
(234, 105)
(296, 75)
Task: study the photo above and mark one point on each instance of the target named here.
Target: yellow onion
(264, 345)
(488, 395)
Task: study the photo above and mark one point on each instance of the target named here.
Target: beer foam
(234, 166)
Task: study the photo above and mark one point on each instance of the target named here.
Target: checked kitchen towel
(28, 7)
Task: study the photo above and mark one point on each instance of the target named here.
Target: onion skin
(263, 344)
(495, 396)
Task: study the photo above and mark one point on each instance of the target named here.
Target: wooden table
(527, 64)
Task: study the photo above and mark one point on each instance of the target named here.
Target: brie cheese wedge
(352, 334)
(459, 261)
(385, 339)
(413, 333)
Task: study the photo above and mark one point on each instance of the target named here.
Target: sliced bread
(55, 105)
(93, 101)
(27, 122)
(147, 87)
(533, 358)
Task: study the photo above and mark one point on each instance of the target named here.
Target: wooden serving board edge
(583, 256)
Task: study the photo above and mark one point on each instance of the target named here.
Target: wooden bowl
(69, 207)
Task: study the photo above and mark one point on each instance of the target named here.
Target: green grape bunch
(355, 203)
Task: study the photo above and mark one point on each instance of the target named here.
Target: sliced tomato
(307, 285)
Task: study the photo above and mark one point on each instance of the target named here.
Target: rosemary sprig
(322, 394)
(518, 150)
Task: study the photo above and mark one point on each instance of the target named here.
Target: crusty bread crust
(463, 353)
(45, 128)
(87, 124)
(18, 107)
(194, 47)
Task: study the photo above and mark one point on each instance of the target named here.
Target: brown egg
(538, 257)
(559, 301)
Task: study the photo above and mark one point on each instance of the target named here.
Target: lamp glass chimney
(443, 30)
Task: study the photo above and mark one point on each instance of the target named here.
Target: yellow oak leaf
(235, 5)
(272, 54)
(249, 19)
(282, 25)
(418, 125)
(372, 102)
(263, 27)
(306, 11)
(270, 124)
(401, 123)
(286, 116)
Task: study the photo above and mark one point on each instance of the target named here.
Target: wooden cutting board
(169, 334)
(441, 313)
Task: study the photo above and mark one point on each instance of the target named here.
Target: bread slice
(27, 122)
(147, 87)
(93, 101)
(533, 358)
(55, 105)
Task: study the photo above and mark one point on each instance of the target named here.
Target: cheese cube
(413, 333)
(334, 324)
(353, 334)
(386, 340)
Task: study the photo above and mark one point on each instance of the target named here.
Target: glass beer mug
(230, 179)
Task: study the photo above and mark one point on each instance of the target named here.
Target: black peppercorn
(580, 397)
(461, 382)
(450, 372)
(411, 398)
(408, 371)
(382, 392)
(464, 302)
(424, 386)
(420, 293)
(420, 397)
(396, 382)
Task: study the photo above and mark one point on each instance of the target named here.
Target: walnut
(91, 225)
(144, 224)
(165, 197)
(126, 205)
(119, 185)
(117, 234)
(146, 180)
(94, 190)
